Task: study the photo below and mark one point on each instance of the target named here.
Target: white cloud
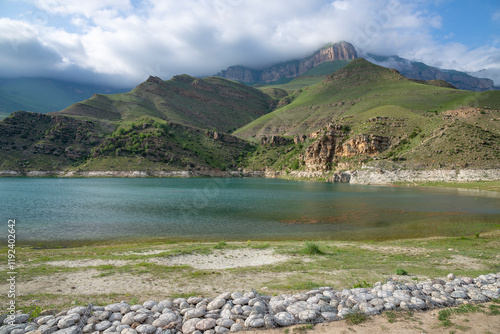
(200, 37)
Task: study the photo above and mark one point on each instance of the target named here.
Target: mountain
(421, 71)
(362, 115)
(290, 69)
(364, 112)
(332, 55)
(44, 94)
(209, 103)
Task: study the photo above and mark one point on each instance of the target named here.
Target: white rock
(190, 326)
(285, 319)
(206, 324)
(68, 320)
(194, 313)
(102, 326)
(145, 329)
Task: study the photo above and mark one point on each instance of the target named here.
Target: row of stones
(232, 312)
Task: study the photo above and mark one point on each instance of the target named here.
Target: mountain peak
(292, 69)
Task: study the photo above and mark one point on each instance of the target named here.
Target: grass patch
(220, 245)
(444, 315)
(312, 248)
(355, 318)
(303, 329)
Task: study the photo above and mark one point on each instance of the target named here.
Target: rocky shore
(375, 176)
(237, 311)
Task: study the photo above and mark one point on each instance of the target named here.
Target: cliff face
(324, 152)
(292, 69)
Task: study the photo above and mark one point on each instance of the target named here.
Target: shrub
(312, 248)
(400, 271)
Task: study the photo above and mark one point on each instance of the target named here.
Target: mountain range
(344, 51)
(46, 94)
(342, 115)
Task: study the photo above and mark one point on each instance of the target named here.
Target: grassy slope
(210, 103)
(357, 88)
(413, 115)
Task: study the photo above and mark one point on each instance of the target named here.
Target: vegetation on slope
(32, 141)
(209, 103)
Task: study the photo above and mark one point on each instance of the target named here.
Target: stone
(111, 329)
(103, 315)
(458, 294)
(216, 304)
(224, 322)
(116, 307)
(145, 329)
(68, 320)
(255, 321)
(120, 328)
(330, 316)
(115, 316)
(241, 301)
(128, 331)
(285, 319)
(236, 328)
(206, 324)
(69, 330)
(89, 328)
(194, 313)
(194, 300)
(307, 315)
(221, 330)
(81, 310)
(102, 326)
(43, 320)
(149, 304)
(269, 321)
(141, 317)
(19, 318)
(190, 326)
(17, 331)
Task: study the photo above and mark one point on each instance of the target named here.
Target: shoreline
(365, 176)
(107, 274)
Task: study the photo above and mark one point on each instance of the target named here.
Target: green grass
(355, 318)
(312, 248)
(444, 315)
(201, 103)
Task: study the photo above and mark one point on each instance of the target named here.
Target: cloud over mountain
(110, 40)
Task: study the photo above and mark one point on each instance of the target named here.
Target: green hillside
(360, 115)
(33, 141)
(209, 103)
(354, 89)
(364, 114)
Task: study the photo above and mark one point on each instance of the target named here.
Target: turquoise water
(58, 209)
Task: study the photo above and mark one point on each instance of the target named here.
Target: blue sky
(121, 42)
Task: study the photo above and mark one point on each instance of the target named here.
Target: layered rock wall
(293, 69)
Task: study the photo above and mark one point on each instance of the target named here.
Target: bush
(400, 271)
(311, 248)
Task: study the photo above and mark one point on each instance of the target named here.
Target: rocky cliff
(291, 69)
(333, 144)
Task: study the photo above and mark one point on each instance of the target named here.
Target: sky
(121, 42)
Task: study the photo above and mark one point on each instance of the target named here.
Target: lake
(94, 209)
